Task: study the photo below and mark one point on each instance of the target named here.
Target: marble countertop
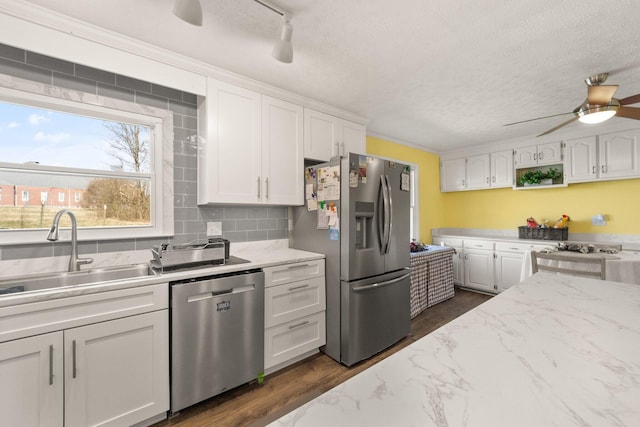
(550, 351)
(260, 254)
(628, 241)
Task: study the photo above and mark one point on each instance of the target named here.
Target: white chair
(569, 264)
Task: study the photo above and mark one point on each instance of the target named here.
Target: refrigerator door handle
(380, 284)
(390, 216)
(383, 223)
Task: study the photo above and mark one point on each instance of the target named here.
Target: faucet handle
(82, 261)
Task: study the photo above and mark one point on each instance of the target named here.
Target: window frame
(160, 121)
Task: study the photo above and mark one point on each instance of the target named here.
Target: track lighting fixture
(283, 50)
(189, 11)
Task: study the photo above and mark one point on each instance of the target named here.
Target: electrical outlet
(214, 229)
(598, 220)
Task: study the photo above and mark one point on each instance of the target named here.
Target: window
(108, 153)
(414, 228)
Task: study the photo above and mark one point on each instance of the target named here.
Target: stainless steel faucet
(74, 261)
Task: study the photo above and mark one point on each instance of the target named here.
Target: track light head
(189, 11)
(283, 50)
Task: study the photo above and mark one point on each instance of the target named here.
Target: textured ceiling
(437, 74)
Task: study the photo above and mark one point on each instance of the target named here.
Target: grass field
(41, 217)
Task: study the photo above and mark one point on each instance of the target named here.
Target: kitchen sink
(83, 277)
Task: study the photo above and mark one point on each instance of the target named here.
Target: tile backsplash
(239, 223)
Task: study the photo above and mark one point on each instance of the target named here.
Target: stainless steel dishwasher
(217, 335)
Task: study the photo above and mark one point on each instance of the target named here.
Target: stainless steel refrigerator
(356, 212)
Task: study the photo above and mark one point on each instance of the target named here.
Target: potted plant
(539, 177)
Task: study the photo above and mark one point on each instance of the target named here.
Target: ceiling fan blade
(634, 99)
(559, 126)
(601, 95)
(628, 112)
(538, 118)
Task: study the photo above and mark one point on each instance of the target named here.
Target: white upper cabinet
(326, 136)
(492, 170)
(581, 159)
(282, 161)
(619, 155)
(453, 175)
(610, 156)
(502, 168)
(250, 148)
(478, 172)
(537, 155)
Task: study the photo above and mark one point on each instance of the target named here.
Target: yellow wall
(506, 208)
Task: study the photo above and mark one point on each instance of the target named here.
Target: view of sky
(54, 138)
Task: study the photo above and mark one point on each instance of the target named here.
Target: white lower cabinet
(295, 305)
(106, 373)
(116, 371)
(478, 265)
(31, 381)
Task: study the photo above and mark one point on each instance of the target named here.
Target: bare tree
(128, 146)
(127, 200)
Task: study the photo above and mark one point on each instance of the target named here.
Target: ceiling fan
(599, 106)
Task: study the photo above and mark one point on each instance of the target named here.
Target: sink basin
(83, 277)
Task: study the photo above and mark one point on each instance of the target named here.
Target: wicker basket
(538, 233)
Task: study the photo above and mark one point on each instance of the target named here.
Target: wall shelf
(547, 183)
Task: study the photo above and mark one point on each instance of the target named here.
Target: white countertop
(260, 254)
(550, 351)
(628, 241)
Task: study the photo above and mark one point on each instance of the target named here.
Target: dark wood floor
(258, 404)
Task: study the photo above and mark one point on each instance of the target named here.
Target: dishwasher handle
(209, 295)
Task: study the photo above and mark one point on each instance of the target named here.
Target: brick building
(22, 195)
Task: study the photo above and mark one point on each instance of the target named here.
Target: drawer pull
(515, 249)
(297, 325)
(291, 267)
(299, 287)
(50, 365)
(73, 348)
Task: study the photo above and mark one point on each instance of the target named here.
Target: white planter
(543, 182)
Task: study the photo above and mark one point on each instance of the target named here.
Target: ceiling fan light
(189, 11)
(283, 50)
(592, 114)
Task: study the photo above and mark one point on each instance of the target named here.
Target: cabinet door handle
(266, 191)
(602, 169)
(463, 182)
(51, 365)
(487, 180)
(535, 156)
(493, 178)
(73, 358)
(298, 287)
(258, 187)
(593, 169)
(539, 156)
(297, 325)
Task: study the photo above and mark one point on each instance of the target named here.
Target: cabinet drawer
(512, 247)
(54, 315)
(452, 242)
(290, 301)
(293, 272)
(478, 244)
(291, 339)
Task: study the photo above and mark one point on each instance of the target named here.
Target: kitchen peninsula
(552, 350)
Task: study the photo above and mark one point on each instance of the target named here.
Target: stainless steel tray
(167, 255)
